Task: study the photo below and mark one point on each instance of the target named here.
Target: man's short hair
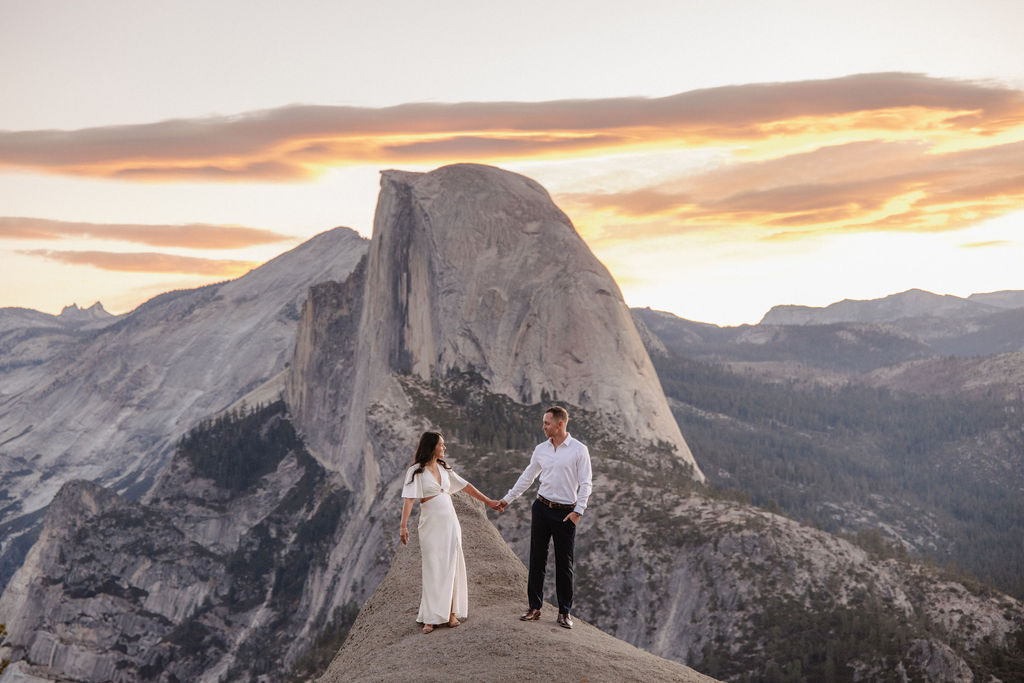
(559, 413)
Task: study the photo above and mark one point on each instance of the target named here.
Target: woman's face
(440, 448)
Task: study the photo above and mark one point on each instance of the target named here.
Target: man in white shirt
(563, 464)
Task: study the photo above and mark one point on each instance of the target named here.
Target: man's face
(550, 425)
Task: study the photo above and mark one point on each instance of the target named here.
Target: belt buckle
(555, 506)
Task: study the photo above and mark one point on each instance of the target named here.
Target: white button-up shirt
(565, 474)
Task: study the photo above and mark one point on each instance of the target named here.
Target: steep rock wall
(472, 268)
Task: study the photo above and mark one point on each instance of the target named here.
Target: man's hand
(502, 504)
(573, 517)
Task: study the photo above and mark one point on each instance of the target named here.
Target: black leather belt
(556, 506)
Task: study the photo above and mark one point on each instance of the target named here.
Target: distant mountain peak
(913, 303)
(73, 313)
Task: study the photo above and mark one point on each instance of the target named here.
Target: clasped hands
(500, 505)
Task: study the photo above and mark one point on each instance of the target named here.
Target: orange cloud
(146, 262)
(990, 243)
(192, 235)
(856, 187)
(297, 142)
(225, 171)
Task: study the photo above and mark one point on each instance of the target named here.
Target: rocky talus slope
(386, 644)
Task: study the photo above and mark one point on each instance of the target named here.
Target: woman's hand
(494, 504)
(406, 510)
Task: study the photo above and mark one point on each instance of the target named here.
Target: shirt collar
(568, 438)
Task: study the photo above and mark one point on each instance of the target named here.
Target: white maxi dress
(444, 566)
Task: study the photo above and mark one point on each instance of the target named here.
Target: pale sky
(719, 157)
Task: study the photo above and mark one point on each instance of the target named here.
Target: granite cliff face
(221, 574)
(474, 269)
(88, 396)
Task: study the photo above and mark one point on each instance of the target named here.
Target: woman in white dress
(443, 598)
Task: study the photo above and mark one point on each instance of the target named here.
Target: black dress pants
(547, 524)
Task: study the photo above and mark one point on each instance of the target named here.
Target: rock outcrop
(83, 316)
(385, 643)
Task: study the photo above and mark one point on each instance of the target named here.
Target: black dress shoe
(564, 620)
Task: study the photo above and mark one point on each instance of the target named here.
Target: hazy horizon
(83, 305)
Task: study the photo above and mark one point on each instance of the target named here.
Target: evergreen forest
(936, 478)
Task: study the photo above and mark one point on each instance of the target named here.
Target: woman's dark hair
(425, 451)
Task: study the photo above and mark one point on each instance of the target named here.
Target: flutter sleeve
(457, 482)
(412, 489)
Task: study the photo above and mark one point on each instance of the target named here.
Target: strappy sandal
(427, 628)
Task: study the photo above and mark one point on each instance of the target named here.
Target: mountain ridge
(132, 384)
(912, 303)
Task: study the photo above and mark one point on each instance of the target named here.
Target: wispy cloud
(146, 262)
(884, 151)
(297, 142)
(990, 243)
(190, 235)
(877, 185)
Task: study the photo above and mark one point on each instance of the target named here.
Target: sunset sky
(720, 157)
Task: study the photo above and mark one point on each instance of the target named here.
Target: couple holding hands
(563, 465)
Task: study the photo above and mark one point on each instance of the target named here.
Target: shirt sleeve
(412, 489)
(525, 479)
(586, 478)
(456, 483)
